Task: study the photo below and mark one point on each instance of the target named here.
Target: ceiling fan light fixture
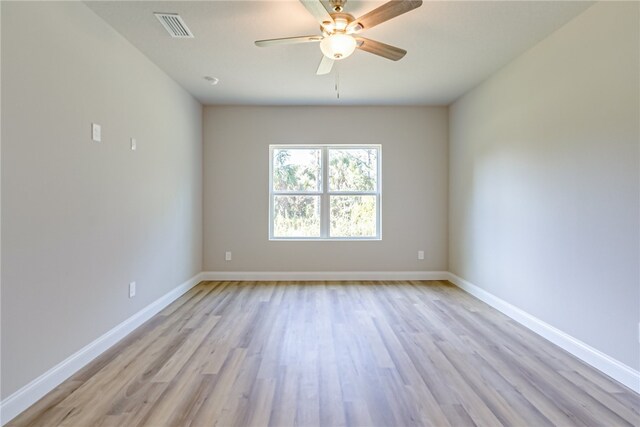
(338, 46)
(341, 24)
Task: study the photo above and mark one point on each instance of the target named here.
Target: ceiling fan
(340, 31)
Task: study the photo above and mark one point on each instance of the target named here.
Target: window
(319, 192)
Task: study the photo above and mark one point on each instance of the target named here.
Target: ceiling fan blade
(288, 40)
(377, 48)
(325, 66)
(317, 9)
(383, 13)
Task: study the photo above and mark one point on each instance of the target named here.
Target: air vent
(175, 26)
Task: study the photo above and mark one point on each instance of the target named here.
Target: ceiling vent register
(175, 26)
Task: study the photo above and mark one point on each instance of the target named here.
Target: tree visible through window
(325, 192)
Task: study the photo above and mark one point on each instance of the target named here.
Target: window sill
(298, 239)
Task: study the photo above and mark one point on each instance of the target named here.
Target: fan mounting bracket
(337, 5)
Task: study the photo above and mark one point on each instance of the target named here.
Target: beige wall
(414, 187)
(80, 220)
(544, 181)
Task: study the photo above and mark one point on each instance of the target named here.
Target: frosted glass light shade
(338, 46)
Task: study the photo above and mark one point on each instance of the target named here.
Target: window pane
(353, 216)
(353, 169)
(296, 216)
(297, 169)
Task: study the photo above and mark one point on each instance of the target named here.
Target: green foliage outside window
(350, 170)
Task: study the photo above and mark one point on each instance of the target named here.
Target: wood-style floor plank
(334, 354)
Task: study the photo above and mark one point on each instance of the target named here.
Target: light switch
(96, 132)
(133, 144)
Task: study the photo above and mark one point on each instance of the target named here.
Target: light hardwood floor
(333, 354)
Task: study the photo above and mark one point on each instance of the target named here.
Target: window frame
(325, 194)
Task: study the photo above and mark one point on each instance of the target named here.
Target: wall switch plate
(227, 256)
(420, 255)
(134, 144)
(96, 132)
(132, 289)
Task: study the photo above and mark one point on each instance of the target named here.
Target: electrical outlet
(421, 255)
(132, 289)
(227, 256)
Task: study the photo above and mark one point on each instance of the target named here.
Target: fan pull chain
(338, 82)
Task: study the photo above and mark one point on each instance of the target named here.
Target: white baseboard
(602, 362)
(36, 389)
(323, 275)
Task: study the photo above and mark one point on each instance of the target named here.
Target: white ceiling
(452, 46)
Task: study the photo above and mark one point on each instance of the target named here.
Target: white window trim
(325, 193)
